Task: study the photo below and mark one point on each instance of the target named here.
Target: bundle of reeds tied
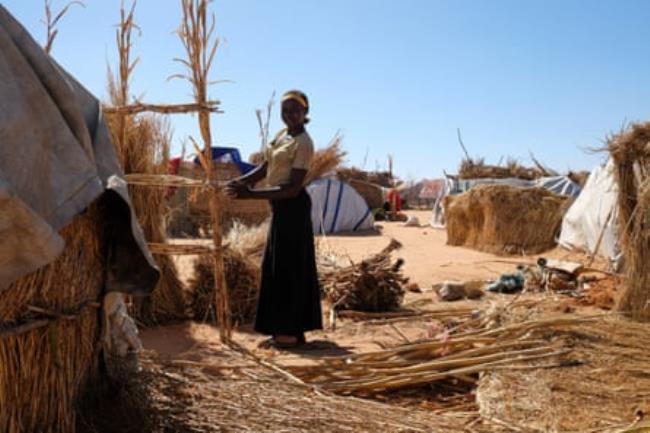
(243, 279)
(630, 151)
(49, 333)
(504, 219)
(326, 160)
(375, 284)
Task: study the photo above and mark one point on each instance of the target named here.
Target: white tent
(337, 207)
(594, 216)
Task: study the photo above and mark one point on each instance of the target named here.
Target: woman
(289, 302)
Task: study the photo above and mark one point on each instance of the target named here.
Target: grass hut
(504, 219)
(630, 151)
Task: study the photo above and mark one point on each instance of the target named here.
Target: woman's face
(293, 113)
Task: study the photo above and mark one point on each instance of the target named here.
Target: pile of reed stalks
(630, 151)
(503, 219)
(478, 169)
(49, 333)
(375, 284)
(478, 345)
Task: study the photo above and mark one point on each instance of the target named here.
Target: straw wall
(43, 371)
(505, 220)
(630, 151)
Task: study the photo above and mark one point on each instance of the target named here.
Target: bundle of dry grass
(326, 160)
(49, 333)
(504, 219)
(375, 284)
(630, 151)
(381, 178)
(243, 279)
(478, 169)
(142, 144)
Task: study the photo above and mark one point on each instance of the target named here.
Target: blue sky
(396, 77)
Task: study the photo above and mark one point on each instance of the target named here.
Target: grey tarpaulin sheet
(56, 158)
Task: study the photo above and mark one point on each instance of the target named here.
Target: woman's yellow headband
(296, 97)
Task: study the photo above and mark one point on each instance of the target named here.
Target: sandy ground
(428, 260)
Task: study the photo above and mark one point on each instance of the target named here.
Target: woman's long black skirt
(289, 302)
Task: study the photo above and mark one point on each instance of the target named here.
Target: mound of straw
(43, 371)
(504, 219)
(376, 284)
(243, 279)
(630, 151)
(381, 178)
(372, 193)
(478, 169)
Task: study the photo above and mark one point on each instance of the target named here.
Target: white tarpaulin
(594, 214)
(337, 207)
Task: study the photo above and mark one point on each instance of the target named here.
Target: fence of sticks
(630, 151)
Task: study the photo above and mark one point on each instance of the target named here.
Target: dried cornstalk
(200, 46)
(51, 21)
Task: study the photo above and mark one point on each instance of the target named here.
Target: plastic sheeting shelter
(594, 216)
(336, 207)
(560, 185)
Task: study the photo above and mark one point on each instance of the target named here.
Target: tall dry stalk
(142, 143)
(197, 37)
(265, 122)
(51, 20)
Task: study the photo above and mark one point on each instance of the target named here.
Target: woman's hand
(237, 189)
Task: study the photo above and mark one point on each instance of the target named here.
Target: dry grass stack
(142, 144)
(372, 193)
(374, 285)
(242, 261)
(243, 280)
(504, 219)
(43, 370)
(630, 151)
(478, 169)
